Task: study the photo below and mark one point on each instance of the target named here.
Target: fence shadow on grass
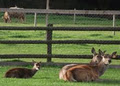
(41, 77)
(109, 81)
(109, 37)
(94, 35)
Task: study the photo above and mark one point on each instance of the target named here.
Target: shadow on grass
(15, 60)
(42, 78)
(84, 44)
(109, 37)
(60, 36)
(103, 82)
(2, 38)
(20, 36)
(108, 81)
(95, 35)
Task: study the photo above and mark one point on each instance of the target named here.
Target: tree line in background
(64, 4)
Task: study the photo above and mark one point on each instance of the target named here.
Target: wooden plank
(47, 4)
(114, 23)
(45, 56)
(49, 45)
(74, 18)
(35, 19)
(62, 28)
(50, 41)
(47, 15)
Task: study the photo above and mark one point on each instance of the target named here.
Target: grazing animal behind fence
(95, 60)
(18, 15)
(6, 17)
(89, 72)
(23, 72)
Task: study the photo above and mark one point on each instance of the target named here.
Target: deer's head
(96, 57)
(37, 65)
(106, 58)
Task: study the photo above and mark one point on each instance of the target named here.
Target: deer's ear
(101, 53)
(104, 51)
(114, 54)
(93, 51)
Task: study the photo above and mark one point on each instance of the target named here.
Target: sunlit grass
(48, 76)
(59, 20)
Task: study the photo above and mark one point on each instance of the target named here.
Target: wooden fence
(49, 41)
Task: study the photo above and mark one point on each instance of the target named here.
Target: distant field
(64, 21)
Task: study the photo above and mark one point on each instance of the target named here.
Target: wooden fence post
(74, 20)
(47, 7)
(114, 23)
(49, 45)
(35, 20)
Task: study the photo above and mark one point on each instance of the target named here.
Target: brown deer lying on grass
(89, 72)
(23, 72)
(95, 60)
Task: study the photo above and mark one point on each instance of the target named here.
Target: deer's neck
(34, 71)
(101, 68)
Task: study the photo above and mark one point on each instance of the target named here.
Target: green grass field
(48, 76)
(57, 49)
(58, 35)
(64, 20)
(59, 20)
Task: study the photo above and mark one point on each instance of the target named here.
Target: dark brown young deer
(95, 60)
(89, 72)
(23, 72)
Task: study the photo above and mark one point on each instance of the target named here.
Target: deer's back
(19, 73)
(82, 73)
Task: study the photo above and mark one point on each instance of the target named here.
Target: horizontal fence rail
(54, 11)
(60, 42)
(63, 28)
(47, 56)
(43, 56)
